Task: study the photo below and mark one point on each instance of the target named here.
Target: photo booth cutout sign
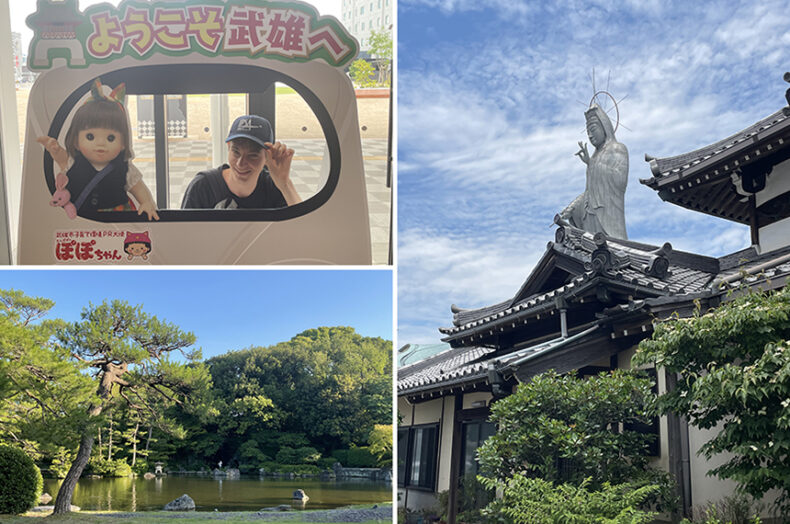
(331, 227)
(288, 31)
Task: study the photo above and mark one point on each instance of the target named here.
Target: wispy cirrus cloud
(490, 116)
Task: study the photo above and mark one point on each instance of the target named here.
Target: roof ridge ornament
(786, 110)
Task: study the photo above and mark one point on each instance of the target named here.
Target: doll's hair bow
(117, 95)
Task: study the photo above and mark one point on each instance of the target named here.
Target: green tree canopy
(129, 352)
(562, 429)
(330, 384)
(43, 393)
(734, 369)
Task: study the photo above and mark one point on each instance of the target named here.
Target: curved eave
(500, 324)
(710, 160)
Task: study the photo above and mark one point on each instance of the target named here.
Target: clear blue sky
(225, 309)
(491, 106)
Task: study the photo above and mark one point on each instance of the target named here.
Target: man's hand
(278, 160)
(59, 155)
(582, 152)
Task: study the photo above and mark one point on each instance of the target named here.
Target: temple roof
(707, 179)
(465, 367)
(649, 270)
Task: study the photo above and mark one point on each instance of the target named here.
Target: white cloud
(435, 271)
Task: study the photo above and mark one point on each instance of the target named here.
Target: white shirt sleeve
(133, 176)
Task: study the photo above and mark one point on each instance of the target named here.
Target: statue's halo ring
(607, 94)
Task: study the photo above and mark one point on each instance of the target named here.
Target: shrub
(536, 501)
(737, 509)
(109, 468)
(141, 467)
(341, 455)
(326, 463)
(20, 481)
(559, 428)
(361, 457)
(297, 469)
(361, 73)
(303, 455)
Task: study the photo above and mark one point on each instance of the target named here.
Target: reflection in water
(245, 494)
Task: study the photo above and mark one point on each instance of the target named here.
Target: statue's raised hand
(582, 152)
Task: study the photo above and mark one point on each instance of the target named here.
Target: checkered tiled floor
(187, 157)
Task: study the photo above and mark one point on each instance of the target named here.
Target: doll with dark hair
(95, 167)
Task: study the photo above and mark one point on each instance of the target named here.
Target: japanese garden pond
(244, 494)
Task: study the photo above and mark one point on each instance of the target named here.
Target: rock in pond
(182, 503)
(299, 494)
(148, 476)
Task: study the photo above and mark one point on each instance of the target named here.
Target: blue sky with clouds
(491, 102)
(225, 309)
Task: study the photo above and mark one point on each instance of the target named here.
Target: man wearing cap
(257, 175)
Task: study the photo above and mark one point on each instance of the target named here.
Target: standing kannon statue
(601, 208)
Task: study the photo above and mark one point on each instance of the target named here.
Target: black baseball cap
(252, 127)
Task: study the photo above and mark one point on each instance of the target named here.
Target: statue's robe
(601, 208)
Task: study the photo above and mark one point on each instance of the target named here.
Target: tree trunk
(99, 441)
(134, 443)
(63, 500)
(109, 443)
(147, 442)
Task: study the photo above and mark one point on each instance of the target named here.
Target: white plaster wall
(777, 183)
(776, 235)
(404, 412)
(427, 412)
(705, 488)
(470, 398)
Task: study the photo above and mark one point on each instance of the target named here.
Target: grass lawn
(167, 517)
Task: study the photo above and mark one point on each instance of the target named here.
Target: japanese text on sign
(89, 246)
(245, 29)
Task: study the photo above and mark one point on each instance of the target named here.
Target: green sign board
(287, 31)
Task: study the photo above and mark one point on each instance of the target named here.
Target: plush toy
(61, 197)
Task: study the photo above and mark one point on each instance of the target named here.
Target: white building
(362, 16)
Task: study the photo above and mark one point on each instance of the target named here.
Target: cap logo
(247, 125)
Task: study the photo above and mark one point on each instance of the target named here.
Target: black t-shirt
(208, 190)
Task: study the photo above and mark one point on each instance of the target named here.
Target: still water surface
(244, 494)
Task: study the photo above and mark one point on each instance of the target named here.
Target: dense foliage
(361, 73)
(43, 395)
(566, 438)
(536, 501)
(559, 428)
(734, 366)
(20, 481)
